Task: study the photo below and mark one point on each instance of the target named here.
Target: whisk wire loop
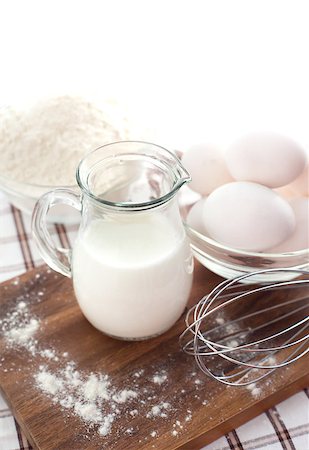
(270, 330)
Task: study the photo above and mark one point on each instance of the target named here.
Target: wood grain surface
(201, 408)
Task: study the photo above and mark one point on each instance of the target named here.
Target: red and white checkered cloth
(285, 426)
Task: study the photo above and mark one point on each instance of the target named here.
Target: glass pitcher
(131, 263)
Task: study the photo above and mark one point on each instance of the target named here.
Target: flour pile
(91, 397)
(55, 134)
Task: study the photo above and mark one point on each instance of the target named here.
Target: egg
(195, 216)
(247, 216)
(299, 240)
(301, 184)
(299, 187)
(207, 167)
(266, 158)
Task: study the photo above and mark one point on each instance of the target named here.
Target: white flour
(49, 383)
(255, 391)
(19, 327)
(23, 335)
(89, 412)
(48, 353)
(90, 397)
(55, 134)
(123, 396)
(159, 410)
(95, 398)
(96, 387)
(105, 428)
(159, 378)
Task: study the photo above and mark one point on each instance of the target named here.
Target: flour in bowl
(44, 144)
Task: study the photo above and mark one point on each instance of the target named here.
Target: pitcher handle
(58, 259)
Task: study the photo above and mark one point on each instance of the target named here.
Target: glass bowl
(230, 262)
(25, 195)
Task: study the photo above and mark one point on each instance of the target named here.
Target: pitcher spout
(183, 175)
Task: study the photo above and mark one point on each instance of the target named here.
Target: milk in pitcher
(131, 264)
(132, 277)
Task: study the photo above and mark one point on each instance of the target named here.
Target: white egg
(247, 216)
(195, 216)
(266, 158)
(207, 167)
(301, 184)
(299, 240)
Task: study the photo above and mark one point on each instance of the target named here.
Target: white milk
(132, 278)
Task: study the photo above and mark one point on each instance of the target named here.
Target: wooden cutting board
(201, 408)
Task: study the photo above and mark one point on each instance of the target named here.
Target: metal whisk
(240, 333)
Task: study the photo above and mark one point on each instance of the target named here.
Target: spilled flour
(159, 378)
(255, 391)
(100, 401)
(21, 336)
(143, 405)
(19, 327)
(159, 410)
(91, 397)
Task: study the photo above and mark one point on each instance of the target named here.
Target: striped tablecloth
(285, 426)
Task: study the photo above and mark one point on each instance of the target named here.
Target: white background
(195, 70)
